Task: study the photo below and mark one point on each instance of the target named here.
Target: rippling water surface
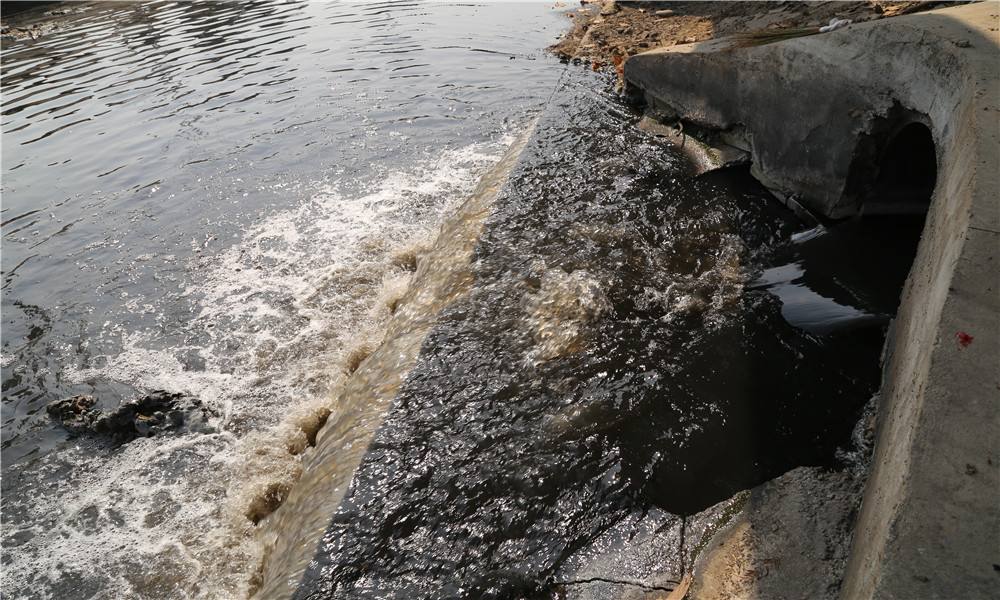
(213, 198)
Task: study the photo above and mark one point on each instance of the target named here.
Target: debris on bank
(607, 32)
(32, 20)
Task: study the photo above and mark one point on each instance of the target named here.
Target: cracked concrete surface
(643, 557)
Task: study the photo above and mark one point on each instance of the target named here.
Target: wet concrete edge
(292, 534)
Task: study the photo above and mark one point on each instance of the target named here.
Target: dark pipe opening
(906, 174)
(891, 182)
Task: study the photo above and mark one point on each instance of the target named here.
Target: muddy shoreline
(607, 32)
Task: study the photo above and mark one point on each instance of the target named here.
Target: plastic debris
(834, 25)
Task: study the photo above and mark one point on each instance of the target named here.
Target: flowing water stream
(230, 199)
(628, 354)
(216, 198)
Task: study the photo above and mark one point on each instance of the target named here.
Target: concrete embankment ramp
(842, 123)
(443, 275)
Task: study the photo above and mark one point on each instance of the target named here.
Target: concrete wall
(930, 521)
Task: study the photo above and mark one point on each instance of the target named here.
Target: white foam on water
(710, 290)
(273, 320)
(559, 312)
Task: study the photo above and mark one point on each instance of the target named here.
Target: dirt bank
(608, 32)
(32, 20)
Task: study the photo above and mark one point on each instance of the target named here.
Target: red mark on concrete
(964, 339)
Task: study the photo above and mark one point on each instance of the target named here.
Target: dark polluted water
(225, 201)
(209, 199)
(636, 341)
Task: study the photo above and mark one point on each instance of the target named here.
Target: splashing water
(225, 200)
(274, 322)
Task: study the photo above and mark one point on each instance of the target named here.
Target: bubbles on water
(692, 273)
(560, 310)
(157, 369)
(710, 287)
(108, 522)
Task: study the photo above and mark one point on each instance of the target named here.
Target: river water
(207, 198)
(228, 200)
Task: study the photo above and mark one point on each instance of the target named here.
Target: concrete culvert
(856, 138)
(906, 174)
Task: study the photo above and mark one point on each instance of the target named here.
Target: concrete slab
(704, 157)
(791, 540)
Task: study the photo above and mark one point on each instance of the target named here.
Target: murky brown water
(628, 347)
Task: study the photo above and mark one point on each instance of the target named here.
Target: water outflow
(610, 359)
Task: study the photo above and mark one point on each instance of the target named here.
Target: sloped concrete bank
(853, 123)
(444, 274)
